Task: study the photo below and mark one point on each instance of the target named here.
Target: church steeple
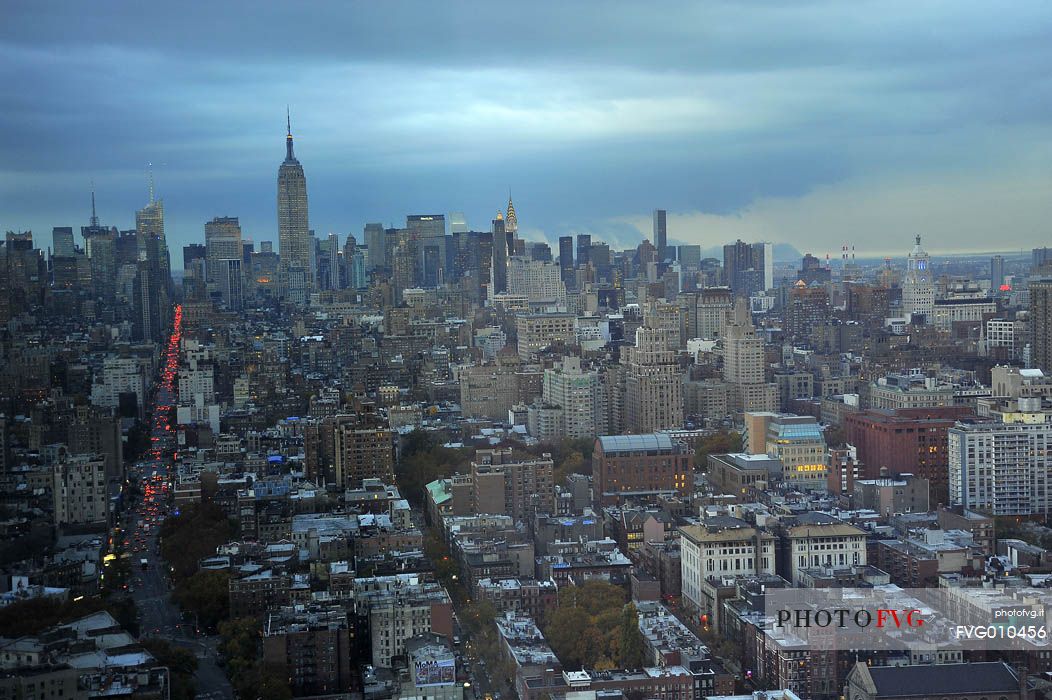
(289, 155)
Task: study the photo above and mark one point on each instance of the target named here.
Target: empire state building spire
(289, 155)
(295, 271)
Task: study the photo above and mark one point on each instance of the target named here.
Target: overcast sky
(809, 123)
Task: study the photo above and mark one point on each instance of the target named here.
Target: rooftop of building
(941, 680)
(612, 444)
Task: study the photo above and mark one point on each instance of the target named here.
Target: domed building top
(917, 250)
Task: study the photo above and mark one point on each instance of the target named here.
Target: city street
(150, 582)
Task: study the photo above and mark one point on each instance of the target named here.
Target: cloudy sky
(809, 123)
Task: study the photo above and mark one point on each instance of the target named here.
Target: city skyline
(732, 131)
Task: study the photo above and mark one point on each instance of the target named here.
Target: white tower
(918, 291)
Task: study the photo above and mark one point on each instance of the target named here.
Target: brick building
(902, 440)
(640, 465)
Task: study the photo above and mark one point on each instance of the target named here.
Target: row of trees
(181, 663)
(422, 460)
(594, 627)
(35, 615)
(720, 442)
(242, 649)
(206, 595)
(193, 535)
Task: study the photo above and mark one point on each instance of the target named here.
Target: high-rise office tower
(763, 259)
(374, 243)
(918, 291)
(429, 233)
(661, 234)
(499, 271)
(229, 283)
(511, 221)
(150, 301)
(737, 256)
(149, 223)
(689, 257)
(333, 249)
(1041, 324)
(748, 267)
(1041, 259)
(100, 244)
(222, 242)
(356, 277)
(191, 255)
(566, 259)
(584, 249)
(293, 231)
(62, 245)
(997, 273)
(458, 223)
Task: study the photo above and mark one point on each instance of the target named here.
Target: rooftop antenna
(149, 174)
(94, 218)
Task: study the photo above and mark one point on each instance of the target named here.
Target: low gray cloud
(808, 123)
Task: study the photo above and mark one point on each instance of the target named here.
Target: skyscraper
(743, 364)
(511, 221)
(334, 260)
(661, 234)
(458, 223)
(375, 243)
(500, 258)
(997, 273)
(429, 233)
(584, 249)
(100, 246)
(222, 242)
(229, 283)
(62, 242)
(749, 267)
(653, 385)
(1041, 324)
(566, 259)
(294, 245)
(149, 223)
(918, 291)
(150, 301)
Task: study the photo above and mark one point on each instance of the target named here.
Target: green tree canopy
(206, 594)
(591, 627)
(720, 442)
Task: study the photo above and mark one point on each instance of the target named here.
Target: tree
(239, 638)
(206, 594)
(181, 663)
(584, 628)
(479, 616)
(720, 442)
(421, 461)
(835, 436)
(632, 651)
(34, 615)
(193, 535)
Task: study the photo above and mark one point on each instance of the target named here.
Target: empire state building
(293, 231)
